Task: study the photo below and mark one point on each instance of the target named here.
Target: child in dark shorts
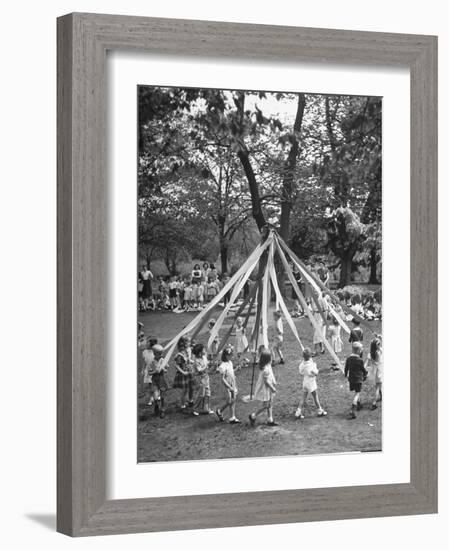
(356, 373)
(356, 334)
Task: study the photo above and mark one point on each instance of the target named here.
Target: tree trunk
(373, 268)
(224, 257)
(345, 270)
(243, 155)
(288, 186)
(253, 188)
(148, 258)
(289, 173)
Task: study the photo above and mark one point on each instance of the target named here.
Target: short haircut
(198, 349)
(357, 348)
(307, 353)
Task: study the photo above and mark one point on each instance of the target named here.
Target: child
(265, 389)
(200, 366)
(194, 295)
(200, 296)
(297, 309)
(375, 362)
(184, 375)
(336, 341)
(141, 342)
(213, 349)
(148, 357)
(173, 293)
(187, 305)
(229, 383)
(309, 371)
(241, 341)
(279, 337)
(356, 373)
(356, 334)
(211, 290)
(320, 333)
(159, 382)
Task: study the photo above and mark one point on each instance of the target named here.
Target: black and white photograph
(259, 276)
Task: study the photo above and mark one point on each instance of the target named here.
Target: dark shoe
(272, 423)
(359, 405)
(219, 415)
(162, 414)
(282, 362)
(252, 420)
(373, 407)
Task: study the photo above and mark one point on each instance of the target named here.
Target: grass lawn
(183, 437)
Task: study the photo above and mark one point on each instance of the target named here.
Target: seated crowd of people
(180, 293)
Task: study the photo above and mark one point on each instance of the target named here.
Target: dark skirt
(146, 291)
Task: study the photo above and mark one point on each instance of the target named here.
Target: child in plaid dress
(200, 366)
(159, 382)
(184, 375)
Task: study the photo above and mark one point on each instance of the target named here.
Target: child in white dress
(212, 351)
(147, 374)
(336, 341)
(241, 341)
(229, 385)
(279, 337)
(265, 389)
(309, 371)
(376, 363)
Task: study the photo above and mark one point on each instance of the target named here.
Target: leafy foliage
(214, 165)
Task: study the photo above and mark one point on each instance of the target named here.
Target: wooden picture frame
(83, 40)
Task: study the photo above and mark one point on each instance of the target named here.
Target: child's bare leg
(378, 396)
(321, 411)
(355, 402)
(263, 408)
(184, 397)
(206, 403)
(232, 405)
(254, 415)
(298, 413)
(281, 356)
(227, 404)
(270, 411)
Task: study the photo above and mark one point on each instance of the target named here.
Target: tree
(345, 234)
